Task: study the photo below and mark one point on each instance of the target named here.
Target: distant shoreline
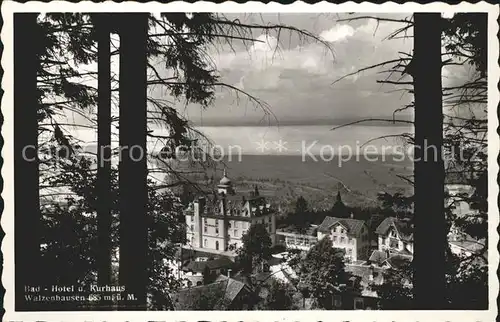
(402, 122)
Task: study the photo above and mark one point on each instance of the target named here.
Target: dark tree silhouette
(69, 40)
(301, 205)
(104, 148)
(322, 272)
(430, 230)
(133, 167)
(279, 297)
(26, 186)
(339, 209)
(71, 241)
(396, 292)
(464, 38)
(255, 250)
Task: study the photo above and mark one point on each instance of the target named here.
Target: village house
(395, 243)
(217, 223)
(395, 237)
(350, 234)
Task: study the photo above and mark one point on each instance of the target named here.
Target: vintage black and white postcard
(184, 162)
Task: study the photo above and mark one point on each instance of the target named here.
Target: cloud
(337, 33)
(268, 53)
(294, 76)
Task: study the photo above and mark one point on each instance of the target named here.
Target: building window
(205, 220)
(342, 240)
(270, 219)
(334, 239)
(217, 245)
(205, 229)
(192, 227)
(349, 252)
(236, 224)
(235, 233)
(192, 240)
(216, 222)
(217, 231)
(358, 304)
(192, 218)
(205, 243)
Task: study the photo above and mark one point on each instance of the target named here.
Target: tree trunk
(104, 201)
(429, 235)
(133, 167)
(26, 185)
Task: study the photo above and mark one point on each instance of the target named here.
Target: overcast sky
(296, 80)
(293, 75)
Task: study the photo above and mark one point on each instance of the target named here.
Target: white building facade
(395, 236)
(350, 234)
(217, 223)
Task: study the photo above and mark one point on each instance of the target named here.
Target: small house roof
(353, 226)
(403, 227)
(378, 257)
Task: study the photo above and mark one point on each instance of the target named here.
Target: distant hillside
(283, 178)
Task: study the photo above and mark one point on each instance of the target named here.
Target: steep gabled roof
(353, 226)
(403, 228)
